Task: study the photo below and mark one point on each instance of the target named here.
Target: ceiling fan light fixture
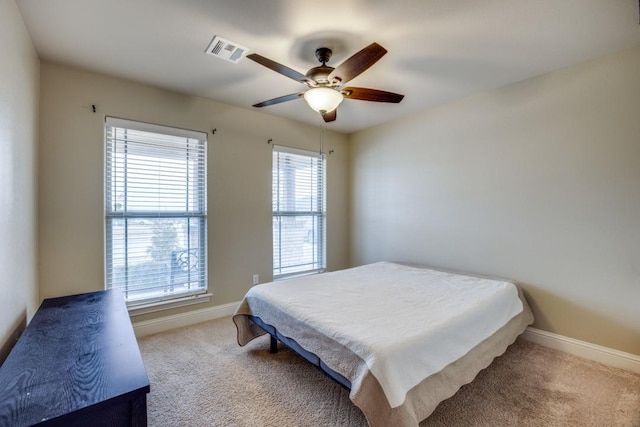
(323, 99)
(325, 91)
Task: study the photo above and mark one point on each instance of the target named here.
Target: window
(299, 215)
(155, 211)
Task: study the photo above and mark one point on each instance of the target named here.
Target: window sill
(166, 305)
(297, 275)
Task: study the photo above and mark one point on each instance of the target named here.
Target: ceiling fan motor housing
(321, 73)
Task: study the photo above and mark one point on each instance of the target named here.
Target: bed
(400, 338)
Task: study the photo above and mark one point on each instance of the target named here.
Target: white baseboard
(597, 353)
(161, 324)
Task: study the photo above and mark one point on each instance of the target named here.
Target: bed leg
(273, 347)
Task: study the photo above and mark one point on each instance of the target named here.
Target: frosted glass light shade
(323, 99)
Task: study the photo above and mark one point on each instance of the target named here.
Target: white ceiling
(439, 50)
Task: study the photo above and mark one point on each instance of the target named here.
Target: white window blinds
(299, 215)
(155, 211)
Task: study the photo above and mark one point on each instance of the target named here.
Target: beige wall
(538, 182)
(71, 180)
(19, 68)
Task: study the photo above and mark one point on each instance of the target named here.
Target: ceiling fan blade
(365, 94)
(278, 68)
(330, 116)
(357, 63)
(279, 99)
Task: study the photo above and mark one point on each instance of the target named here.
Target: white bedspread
(437, 317)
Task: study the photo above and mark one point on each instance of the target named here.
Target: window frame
(153, 303)
(319, 215)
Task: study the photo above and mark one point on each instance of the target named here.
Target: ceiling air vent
(224, 49)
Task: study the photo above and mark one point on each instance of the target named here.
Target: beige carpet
(201, 377)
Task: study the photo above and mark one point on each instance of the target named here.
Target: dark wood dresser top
(77, 353)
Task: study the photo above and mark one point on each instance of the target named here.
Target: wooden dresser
(76, 364)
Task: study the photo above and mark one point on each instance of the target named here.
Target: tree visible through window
(155, 211)
(299, 217)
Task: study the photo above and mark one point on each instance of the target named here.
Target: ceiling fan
(325, 91)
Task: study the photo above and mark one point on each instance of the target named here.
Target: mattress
(389, 329)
